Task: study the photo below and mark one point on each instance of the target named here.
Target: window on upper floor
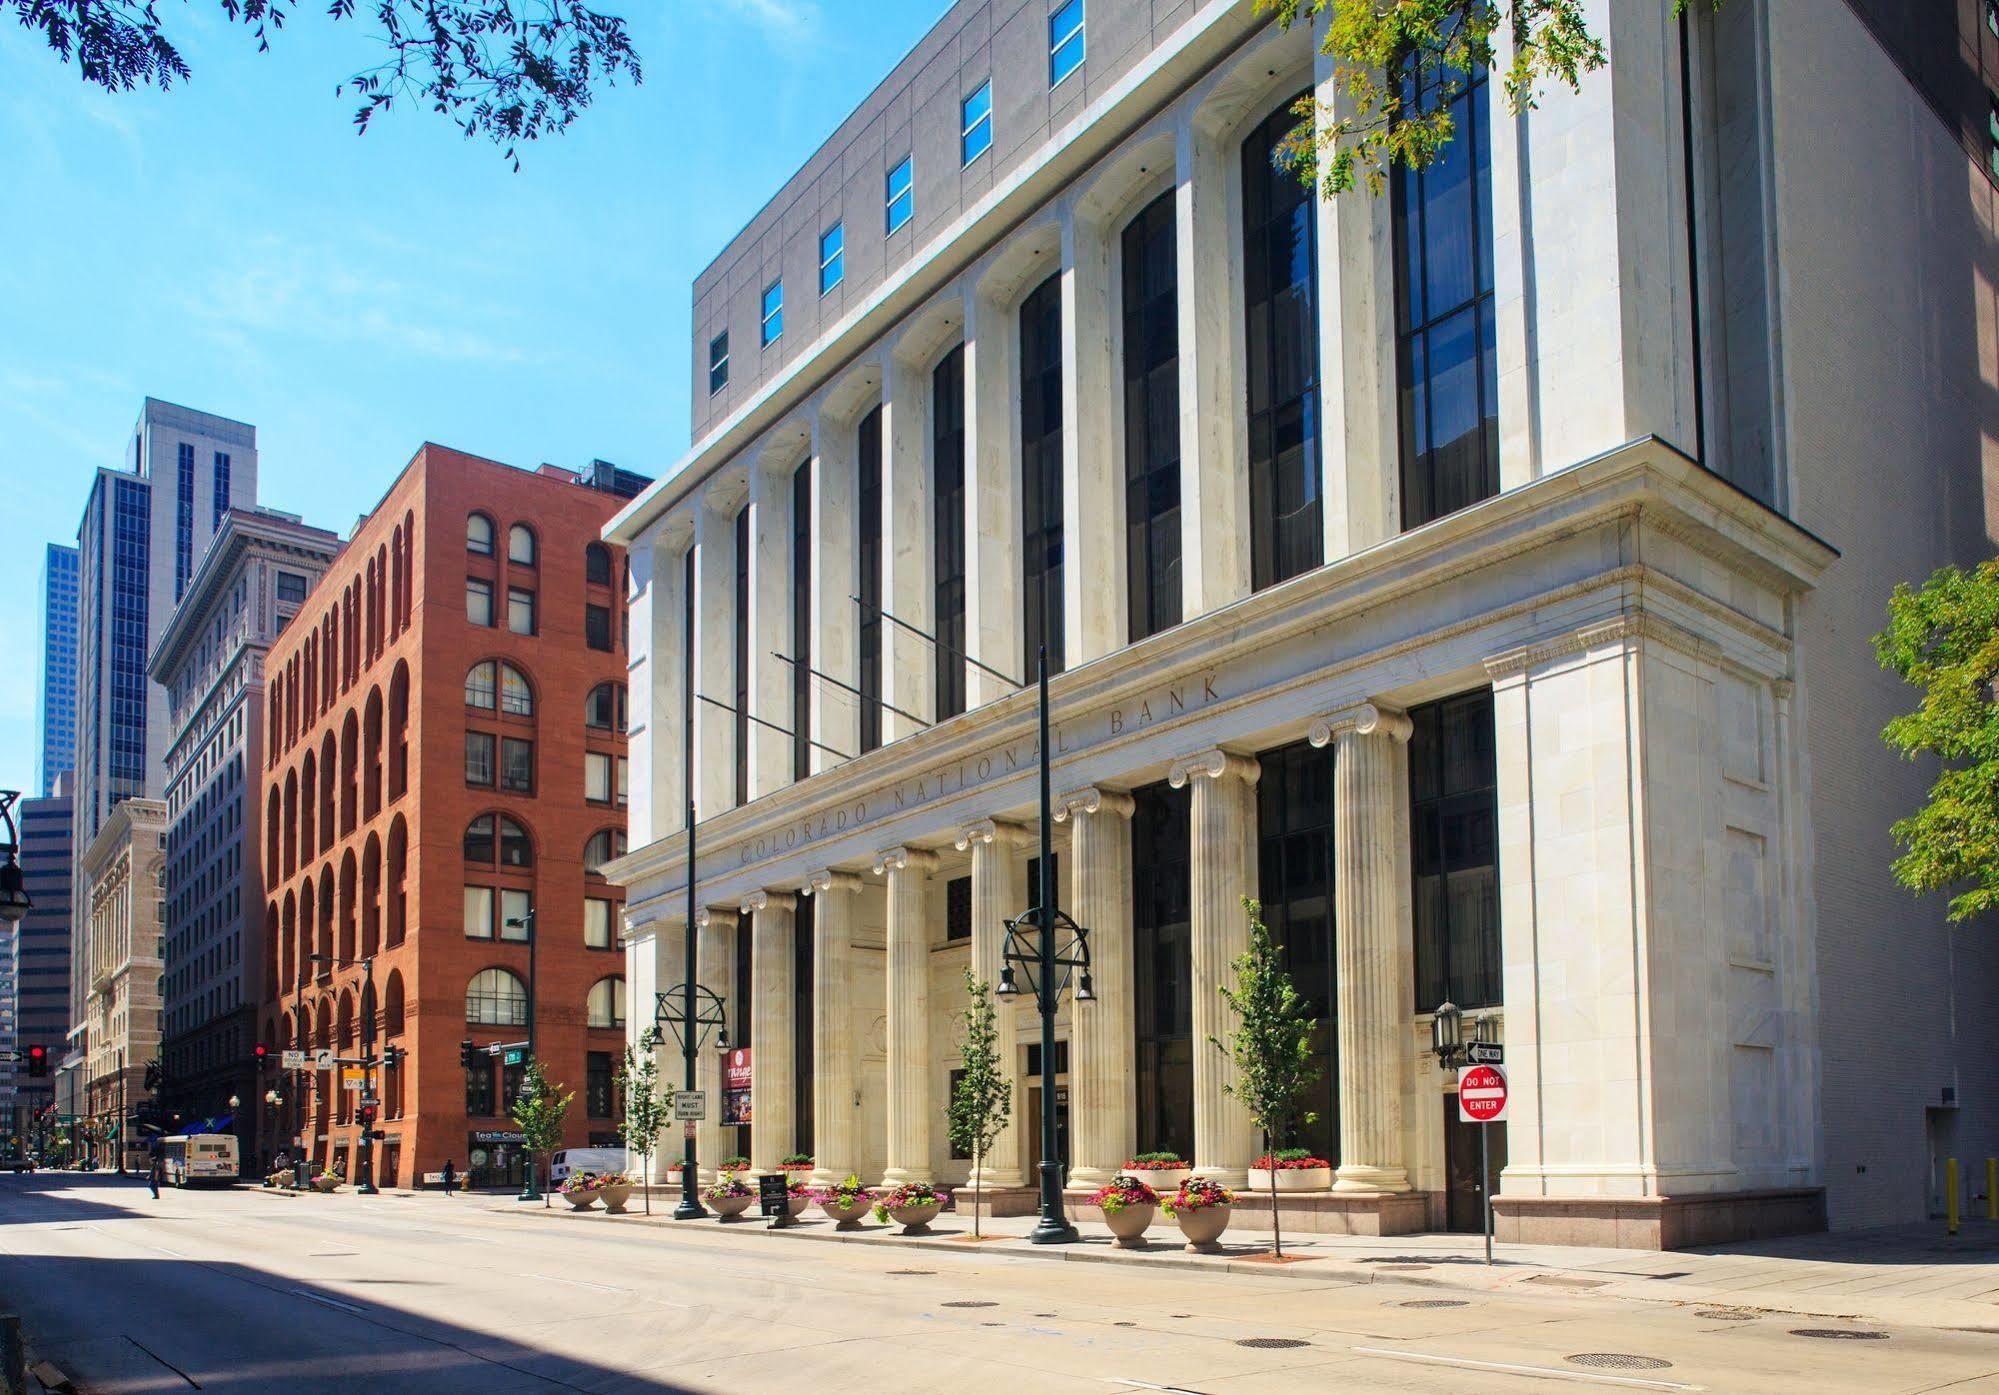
(773, 313)
(517, 765)
(520, 610)
(718, 363)
(597, 564)
(832, 257)
(597, 627)
(604, 845)
(291, 588)
(606, 1004)
(975, 134)
(478, 601)
(1065, 41)
(479, 535)
(520, 545)
(604, 709)
(600, 918)
(479, 757)
(900, 196)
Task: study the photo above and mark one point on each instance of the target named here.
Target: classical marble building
(124, 946)
(1479, 575)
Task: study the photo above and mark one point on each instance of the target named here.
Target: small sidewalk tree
(982, 1102)
(538, 1112)
(1271, 1047)
(645, 1111)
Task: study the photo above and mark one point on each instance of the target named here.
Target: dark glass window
(517, 765)
(479, 762)
(597, 1084)
(740, 1011)
(958, 909)
(1041, 474)
(597, 564)
(1446, 363)
(221, 487)
(597, 627)
(868, 536)
(515, 849)
(1280, 292)
(743, 656)
(479, 1090)
(1454, 835)
(1163, 968)
(801, 621)
(291, 588)
(947, 500)
(802, 1054)
(511, 1080)
(1152, 419)
(479, 839)
(718, 363)
(184, 520)
(1294, 824)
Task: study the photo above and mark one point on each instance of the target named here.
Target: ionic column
(909, 1103)
(715, 960)
(771, 1027)
(1222, 853)
(1371, 909)
(999, 890)
(834, 895)
(1103, 1113)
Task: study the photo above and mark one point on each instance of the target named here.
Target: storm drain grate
(1839, 1334)
(971, 1303)
(992, 1324)
(1271, 1343)
(1617, 1361)
(1434, 1303)
(894, 1272)
(1124, 1324)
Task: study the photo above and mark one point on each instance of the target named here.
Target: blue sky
(233, 246)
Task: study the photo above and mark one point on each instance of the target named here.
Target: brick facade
(368, 691)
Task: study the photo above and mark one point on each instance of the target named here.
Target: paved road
(245, 1291)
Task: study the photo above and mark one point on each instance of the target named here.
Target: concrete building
(38, 949)
(251, 582)
(55, 691)
(445, 747)
(124, 868)
(143, 528)
(1479, 575)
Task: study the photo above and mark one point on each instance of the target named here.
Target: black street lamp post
(526, 925)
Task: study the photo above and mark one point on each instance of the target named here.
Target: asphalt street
(242, 1290)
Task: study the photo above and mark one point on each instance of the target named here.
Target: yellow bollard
(1992, 1189)
(1950, 1196)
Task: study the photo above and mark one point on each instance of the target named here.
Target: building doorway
(495, 1159)
(1464, 1187)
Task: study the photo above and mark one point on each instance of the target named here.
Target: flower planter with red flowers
(912, 1205)
(846, 1203)
(615, 1190)
(581, 1190)
(730, 1196)
(1202, 1209)
(795, 1165)
(1163, 1172)
(1294, 1170)
(1128, 1206)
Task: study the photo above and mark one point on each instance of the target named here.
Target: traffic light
(38, 1061)
(468, 1054)
(260, 1055)
(392, 1056)
(365, 1116)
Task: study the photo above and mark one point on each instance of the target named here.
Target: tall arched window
(520, 545)
(597, 564)
(399, 731)
(479, 535)
(604, 845)
(604, 709)
(371, 742)
(495, 998)
(495, 685)
(606, 1004)
(397, 874)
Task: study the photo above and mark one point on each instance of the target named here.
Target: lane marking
(1148, 1385)
(330, 1302)
(1552, 1372)
(580, 1283)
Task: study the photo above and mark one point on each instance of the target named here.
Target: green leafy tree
(1271, 1046)
(982, 1101)
(1377, 43)
(645, 1110)
(501, 69)
(1944, 639)
(538, 1112)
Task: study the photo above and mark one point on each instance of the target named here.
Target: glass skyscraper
(55, 714)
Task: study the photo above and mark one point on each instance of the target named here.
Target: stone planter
(848, 1217)
(1164, 1180)
(1202, 1227)
(615, 1197)
(1128, 1225)
(325, 1182)
(1291, 1179)
(915, 1220)
(798, 1205)
(730, 1208)
(580, 1201)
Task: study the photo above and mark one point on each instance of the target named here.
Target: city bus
(193, 1160)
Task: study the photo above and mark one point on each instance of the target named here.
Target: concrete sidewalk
(1912, 1275)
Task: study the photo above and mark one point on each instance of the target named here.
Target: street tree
(1944, 639)
(982, 1100)
(1271, 1047)
(507, 71)
(1376, 47)
(538, 1112)
(645, 1110)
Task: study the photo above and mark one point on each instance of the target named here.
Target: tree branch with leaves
(646, 1110)
(982, 1101)
(538, 1111)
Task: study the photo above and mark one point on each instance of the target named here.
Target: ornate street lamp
(1447, 1032)
(14, 900)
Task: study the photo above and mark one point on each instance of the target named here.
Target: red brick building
(446, 752)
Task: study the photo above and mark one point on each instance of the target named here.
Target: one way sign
(1483, 1053)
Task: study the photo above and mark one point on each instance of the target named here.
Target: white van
(564, 1161)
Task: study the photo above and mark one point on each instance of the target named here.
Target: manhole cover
(1725, 1315)
(1617, 1361)
(971, 1303)
(893, 1272)
(1270, 1343)
(1839, 1334)
(1434, 1303)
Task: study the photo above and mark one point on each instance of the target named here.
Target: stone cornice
(1634, 625)
(995, 831)
(1093, 799)
(1213, 764)
(1362, 719)
(769, 901)
(904, 860)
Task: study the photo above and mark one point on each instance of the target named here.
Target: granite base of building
(998, 1201)
(1659, 1223)
(1315, 1213)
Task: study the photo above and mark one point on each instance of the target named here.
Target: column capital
(1093, 799)
(904, 859)
(994, 831)
(1362, 719)
(1216, 764)
(831, 879)
(704, 915)
(769, 901)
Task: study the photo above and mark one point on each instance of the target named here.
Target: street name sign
(690, 1104)
(291, 1060)
(1485, 1053)
(1481, 1094)
(513, 1057)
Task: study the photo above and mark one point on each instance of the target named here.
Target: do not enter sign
(1481, 1094)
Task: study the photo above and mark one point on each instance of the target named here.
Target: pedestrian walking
(153, 1175)
(450, 1177)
